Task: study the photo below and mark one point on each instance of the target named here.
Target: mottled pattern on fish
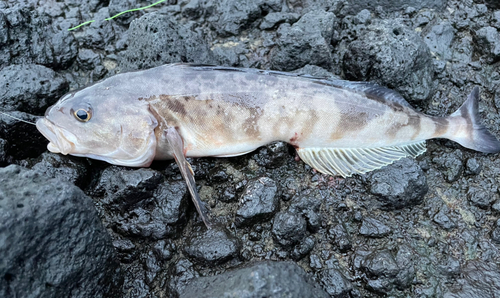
(178, 111)
(227, 112)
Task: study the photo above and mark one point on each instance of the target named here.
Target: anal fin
(348, 161)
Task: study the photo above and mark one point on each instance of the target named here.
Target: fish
(176, 111)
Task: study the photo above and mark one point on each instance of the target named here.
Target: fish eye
(82, 115)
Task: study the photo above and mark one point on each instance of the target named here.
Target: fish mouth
(59, 138)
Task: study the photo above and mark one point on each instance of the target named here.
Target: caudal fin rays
(477, 137)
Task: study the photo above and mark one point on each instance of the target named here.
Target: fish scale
(180, 110)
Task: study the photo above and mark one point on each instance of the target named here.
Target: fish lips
(60, 140)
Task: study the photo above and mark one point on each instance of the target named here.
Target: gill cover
(99, 124)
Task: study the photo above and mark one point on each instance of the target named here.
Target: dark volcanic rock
(481, 197)
(259, 201)
(340, 237)
(233, 17)
(385, 271)
(212, 247)
(35, 36)
(308, 41)
(155, 217)
(478, 279)
(3, 153)
(273, 155)
(392, 6)
(439, 40)
(92, 61)
(121, 188)
(181, 273)
(139, 203)
(444, 218)
(472, 167)
(335, 283)
(100, 34)
(309, 206)
(488, 43)
(451, 164)
(399, 185)
(154, 259)
(30, 88)
(393, 55)
(65, 168)
(266, 279)
(495, 234)
(289, 228)
(373, 228)
(303, 248)
(381, 269)
(22, 139)
(273, 19)
(52, 242)
(117, 6)
(492, 4)
(156, 39)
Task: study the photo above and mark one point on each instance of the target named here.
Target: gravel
(418, 228)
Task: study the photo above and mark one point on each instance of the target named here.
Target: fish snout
(58, 138)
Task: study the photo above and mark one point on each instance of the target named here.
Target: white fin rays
(348, 161)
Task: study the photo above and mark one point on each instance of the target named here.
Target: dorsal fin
(371, 90)
(347, 161)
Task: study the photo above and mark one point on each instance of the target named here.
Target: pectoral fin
(177, 145)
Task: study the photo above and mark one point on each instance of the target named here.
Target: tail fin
(477, 136)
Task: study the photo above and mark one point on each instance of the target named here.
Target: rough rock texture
(258, 202)
(428, 227)
(30, 88)
(308, 41)
(266, 279)
(488, 43)
(212, 247)
(32, 34)
(392, 6)
(402, 185)
(51, 240)
(22, 140)
(288, 228)
(156, 39)
(393, 55)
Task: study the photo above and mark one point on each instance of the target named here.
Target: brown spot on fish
(413, 122)
(336, 135)
(250, 125)
(357, 121)
(441, 125)
(177, 107)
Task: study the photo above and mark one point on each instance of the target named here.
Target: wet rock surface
(52, 241)
(265, 279)
(418, 228)
(212, 247)
(258, 202)
(401, 185)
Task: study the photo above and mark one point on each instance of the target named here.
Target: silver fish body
(337, 127)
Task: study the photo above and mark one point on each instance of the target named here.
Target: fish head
(101, 125)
